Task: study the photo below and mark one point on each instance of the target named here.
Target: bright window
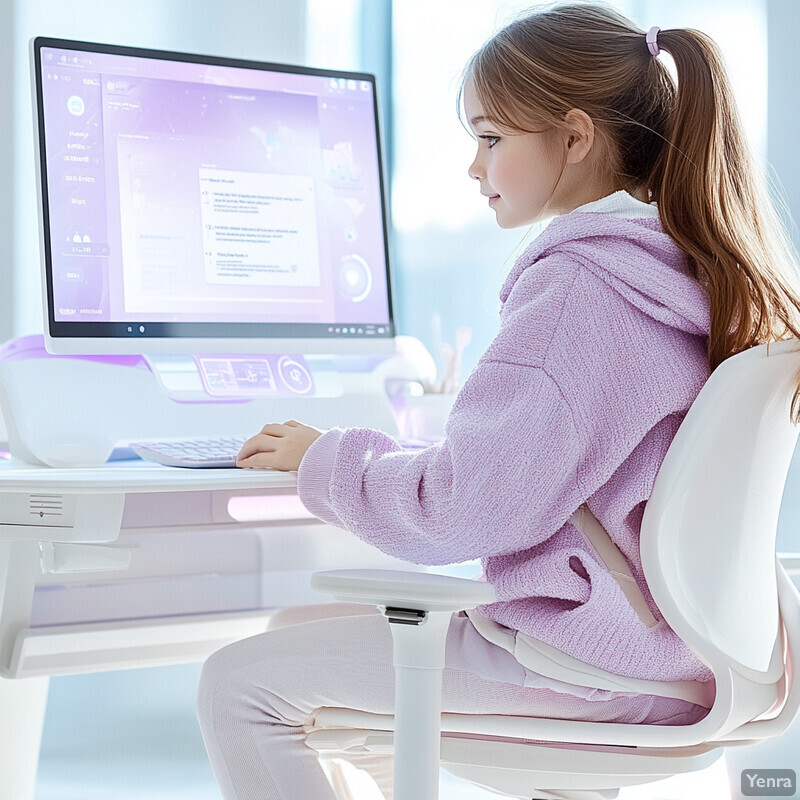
(450, 257)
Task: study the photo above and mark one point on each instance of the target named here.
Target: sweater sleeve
(504, 479)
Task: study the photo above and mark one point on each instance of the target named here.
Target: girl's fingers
(257, 461)
(260, 451)
(273, 429)
(260, 443)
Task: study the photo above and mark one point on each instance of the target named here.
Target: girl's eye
(490, 140)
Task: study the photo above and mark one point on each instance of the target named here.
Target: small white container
(424, 416)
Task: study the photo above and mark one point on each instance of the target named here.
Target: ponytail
(713, 202)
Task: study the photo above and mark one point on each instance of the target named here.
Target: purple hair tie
(652, 44)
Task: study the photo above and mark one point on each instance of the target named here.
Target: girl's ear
(579, 136)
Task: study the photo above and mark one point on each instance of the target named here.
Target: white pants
(257, 695)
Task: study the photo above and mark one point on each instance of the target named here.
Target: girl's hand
(280, 447)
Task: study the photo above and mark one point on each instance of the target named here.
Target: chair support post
(418, 657)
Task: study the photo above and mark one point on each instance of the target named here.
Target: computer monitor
(196, 204)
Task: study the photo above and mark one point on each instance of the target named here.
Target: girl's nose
(474, 170)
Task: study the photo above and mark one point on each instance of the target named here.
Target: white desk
(133, 565)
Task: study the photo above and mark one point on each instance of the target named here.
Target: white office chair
(708, 552)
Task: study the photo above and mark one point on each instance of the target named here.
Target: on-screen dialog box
(259, 228)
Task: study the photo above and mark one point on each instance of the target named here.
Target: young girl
(664, 258)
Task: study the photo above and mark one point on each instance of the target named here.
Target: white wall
(266, 30)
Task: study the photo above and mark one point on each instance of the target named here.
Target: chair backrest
(708, 533)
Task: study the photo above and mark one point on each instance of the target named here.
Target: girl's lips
(493, 198)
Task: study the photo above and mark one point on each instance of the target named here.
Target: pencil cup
(425, 415)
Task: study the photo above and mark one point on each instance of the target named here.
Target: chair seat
(550, 662)
(516, 765)
(527, 728)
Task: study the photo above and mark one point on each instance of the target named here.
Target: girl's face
(518, 172)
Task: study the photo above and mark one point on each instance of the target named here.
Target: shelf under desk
(135, 564)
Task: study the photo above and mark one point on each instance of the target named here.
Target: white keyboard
(213, 453)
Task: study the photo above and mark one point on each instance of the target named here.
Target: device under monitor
(196, 204)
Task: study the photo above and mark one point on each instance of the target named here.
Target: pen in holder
(451, 379)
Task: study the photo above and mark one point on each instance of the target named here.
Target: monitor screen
(200, 204)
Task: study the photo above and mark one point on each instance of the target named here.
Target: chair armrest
(422, 591)
(419, 608)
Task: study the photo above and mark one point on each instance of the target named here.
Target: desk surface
(136, 476)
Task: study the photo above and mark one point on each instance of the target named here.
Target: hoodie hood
(634, 257)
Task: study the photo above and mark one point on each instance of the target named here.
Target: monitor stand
(68, 411)
(242, 378)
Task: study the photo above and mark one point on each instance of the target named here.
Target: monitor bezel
(112, 338)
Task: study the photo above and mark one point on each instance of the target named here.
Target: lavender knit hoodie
(601, 350)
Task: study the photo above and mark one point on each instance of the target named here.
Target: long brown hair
(683, 144)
